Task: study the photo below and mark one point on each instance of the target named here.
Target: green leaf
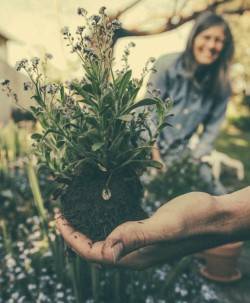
(163, 125)
(147, 163)
(60, 144)
(97, 146)
(53, 131)
(123, 83)
(62, 94)
(89, 102)
(38, 99)
(141, 103)
(126, 118)
(87, 98)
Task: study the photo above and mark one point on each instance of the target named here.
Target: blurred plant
(243, 122)
(182, 176)
(94, 132)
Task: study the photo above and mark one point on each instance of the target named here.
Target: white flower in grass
(31, 287)
(22, 299)
(149, 299)
(183, 292)
(18, 269)
(60, 294)
(41, 298)
(15, 295)
(208, 293)
(21, 276)
(10, 262)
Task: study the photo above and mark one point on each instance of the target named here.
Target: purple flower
(81, 11)
(95, 18)
(5, 82)
(21, 64)
(27, 85)
(102, 10)
(131, 44)
(80, 29)
(48, 56)
(65, 30)
(35, 61)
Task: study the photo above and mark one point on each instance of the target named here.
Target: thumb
(126, 238)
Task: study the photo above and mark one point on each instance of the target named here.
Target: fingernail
(117, 250)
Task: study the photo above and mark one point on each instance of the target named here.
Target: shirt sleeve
(211, 126)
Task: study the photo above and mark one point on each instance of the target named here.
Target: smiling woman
(208, 45)
(198, 82)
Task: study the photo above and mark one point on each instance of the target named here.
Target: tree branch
(171, 23)
(125, 9)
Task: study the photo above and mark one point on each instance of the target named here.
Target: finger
(80, 243)
(77, 241)
(126, 238)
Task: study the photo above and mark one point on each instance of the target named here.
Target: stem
(6, 238)
(38, 200)
(95, 279)
(174, 273)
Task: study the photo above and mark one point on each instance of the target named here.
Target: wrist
(236, 210)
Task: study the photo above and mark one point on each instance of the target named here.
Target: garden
(88, 137)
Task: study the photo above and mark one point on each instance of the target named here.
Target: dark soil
(86, 210)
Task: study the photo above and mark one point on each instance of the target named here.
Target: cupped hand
(134, 244)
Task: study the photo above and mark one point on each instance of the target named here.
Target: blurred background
(32, 256)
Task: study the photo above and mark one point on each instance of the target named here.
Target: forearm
(206, 221)
(195, 222)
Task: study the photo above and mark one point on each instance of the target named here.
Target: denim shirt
(191, 107)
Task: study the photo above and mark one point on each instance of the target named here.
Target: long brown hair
(218, 71)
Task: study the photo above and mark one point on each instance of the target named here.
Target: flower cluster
(6, 88)
(87, 43)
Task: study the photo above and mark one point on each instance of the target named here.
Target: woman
(197, 81)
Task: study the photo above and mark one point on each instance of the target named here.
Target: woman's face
(208, 45)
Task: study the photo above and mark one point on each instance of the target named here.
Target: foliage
(242, 123)
(235, 142)
(96, 121)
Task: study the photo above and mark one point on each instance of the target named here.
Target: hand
(187, 224)
(137, 244)
(105, 252)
